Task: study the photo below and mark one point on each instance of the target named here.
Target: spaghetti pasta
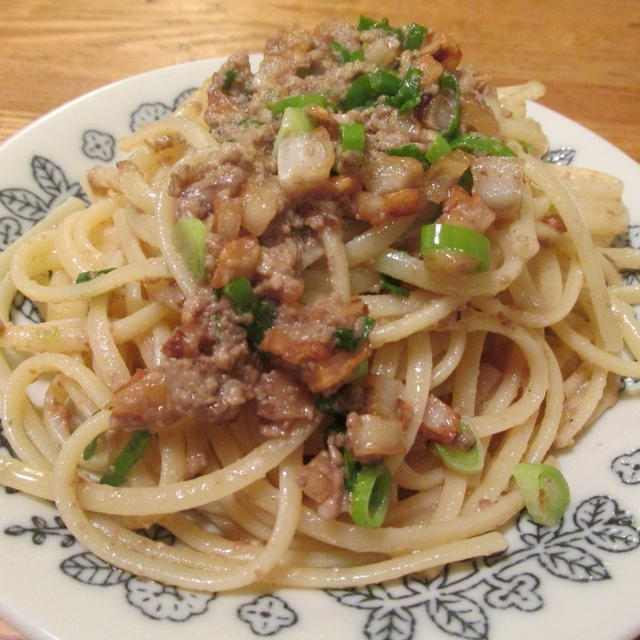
(324, 338)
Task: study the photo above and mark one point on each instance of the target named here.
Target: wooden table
(587, 52)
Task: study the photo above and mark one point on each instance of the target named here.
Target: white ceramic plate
(578, 580)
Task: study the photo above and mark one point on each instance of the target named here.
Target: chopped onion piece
(305, 160)
(294, 120)
(387, 173)
(261, 201)
(500, 182)
(459, 459)
(372, 435)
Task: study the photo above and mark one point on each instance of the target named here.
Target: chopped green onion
(326, 404)
(294, 120)
(411, 151)
(448, 82)
(392, 285)
(466, 180)
(85, 276)
(449, 237)
(251, 122)
(90, 449)
(351, 468)
(403, 94)
(457, 459)
(352, 136)
(370, 495)
(439, 147)
(410, 36)
(478, 143)
(385, 82)
(242, 299)
(190, 238)
(544, 490)
(360, 371)
(240, 295)
(264, 314)
(299, 101)
(409, 94)
(365, 23)
(414, 35)
(347, 339)
(337, 426)
(229, 77)
(368, 324)
(366, 89)
(125, 460)
(344, 55)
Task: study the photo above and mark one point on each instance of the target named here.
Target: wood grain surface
(586, 52)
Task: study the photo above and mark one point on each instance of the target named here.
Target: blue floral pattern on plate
(98, 145)
(456, 601)
(28, 206)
